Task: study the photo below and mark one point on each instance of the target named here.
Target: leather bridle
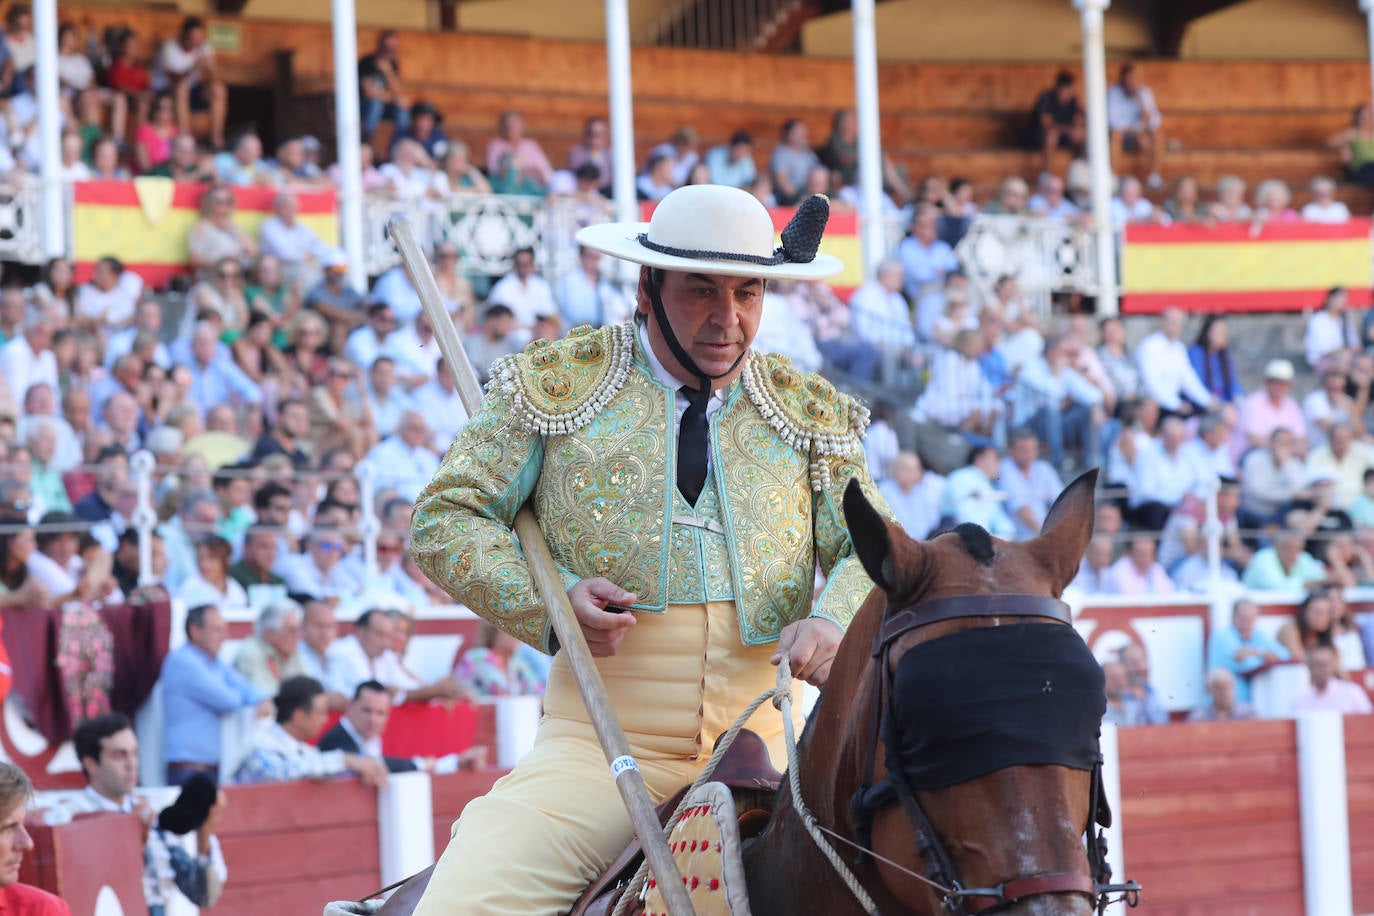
(940, 870)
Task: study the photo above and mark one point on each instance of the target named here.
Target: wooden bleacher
(1254, 119)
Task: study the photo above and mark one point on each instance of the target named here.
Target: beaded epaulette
(559, 386)
(807, 412)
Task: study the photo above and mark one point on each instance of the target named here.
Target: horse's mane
(977, 542)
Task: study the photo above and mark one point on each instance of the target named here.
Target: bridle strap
(1011, 892)
(955, 607)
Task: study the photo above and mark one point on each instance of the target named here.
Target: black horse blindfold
(1033, 696)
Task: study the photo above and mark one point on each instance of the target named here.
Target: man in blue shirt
(1241, 648)
(197, 691)
(925, 261)
(215, 378)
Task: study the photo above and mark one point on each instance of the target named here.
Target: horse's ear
(869, 532)
(1067, 530)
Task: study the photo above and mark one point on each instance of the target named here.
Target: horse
(964, 810)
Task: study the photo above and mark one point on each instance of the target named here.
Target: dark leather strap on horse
(958, 606)
(1012, 891)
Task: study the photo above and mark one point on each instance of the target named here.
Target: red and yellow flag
(144, 222)
(1236, 267)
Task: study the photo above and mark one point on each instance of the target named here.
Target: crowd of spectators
(278, 382)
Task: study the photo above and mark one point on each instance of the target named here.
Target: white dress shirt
(1166, 373)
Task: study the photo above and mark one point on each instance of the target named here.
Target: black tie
(692, 443)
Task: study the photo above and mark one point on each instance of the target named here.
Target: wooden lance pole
(625, 771)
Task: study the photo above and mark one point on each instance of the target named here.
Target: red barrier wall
(1359, 778)
(1210, 813)
(293, 847)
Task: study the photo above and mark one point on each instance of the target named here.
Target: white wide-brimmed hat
(715, 229)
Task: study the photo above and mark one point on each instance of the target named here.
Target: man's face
(414, 431)
(320, 626)
(1133, 656)
(1245, 616)
(715, 319)
(383, 377)
(1223, 692)
(1321, 666)
(383, 322)
(923, 227)
(295, 420)
(12, 307)
(1171, 323)
(287, 206)
(307, 723)
(14, 842)
(260, 551)
(368, 713)
(277, 511)
(1130, 81)
(203, 345)
(184, 151)
(193, 38)
(286, 637)
(1024, 452)
(326, 547)
(376, 636)
(104, 276)
(210, 635)
(524, 264)
(115, 774)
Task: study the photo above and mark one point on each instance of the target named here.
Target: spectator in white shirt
(28, 359)
(106, 303)
(1166, 472)
(916, 496)
(318, 572)
(415, 351)
(1329, 405)
(366, 655)
(147, 320)
(405, 461)
(281, 750)
(1330, 331)
(364, 344)
(523, 291)
(1055, 400)
(439, 401)
(290, 241)
(1133, 120)
(881, 318)
(1049, 200)
(1324, 207)
(386, 399)
(1346, 459)
(586, 297)
(1132, 206)
(1166, 373)
(185, 67)
(958, 396)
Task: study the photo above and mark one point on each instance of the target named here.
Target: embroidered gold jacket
(583, 427)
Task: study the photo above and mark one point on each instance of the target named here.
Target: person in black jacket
(360, 729)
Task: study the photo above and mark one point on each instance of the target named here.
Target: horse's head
(988, 722)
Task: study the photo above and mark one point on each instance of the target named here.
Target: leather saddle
(745, 768)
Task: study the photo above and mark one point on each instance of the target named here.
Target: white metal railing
(1045, 255)
(732, 25)
(487, 228)
(21, 232)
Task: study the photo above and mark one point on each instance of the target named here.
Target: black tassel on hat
(802, 236)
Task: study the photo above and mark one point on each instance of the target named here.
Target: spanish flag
(144, 222)
(1240, 267)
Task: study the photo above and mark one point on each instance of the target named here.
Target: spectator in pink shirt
(1137, 573)
(1265, 411)
(516, 164)
(1328, 691)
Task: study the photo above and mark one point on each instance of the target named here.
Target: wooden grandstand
(1261, 119)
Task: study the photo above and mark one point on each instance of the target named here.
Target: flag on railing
(1236, 267)
(145, 222)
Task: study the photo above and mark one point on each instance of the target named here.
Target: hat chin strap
(670, 337)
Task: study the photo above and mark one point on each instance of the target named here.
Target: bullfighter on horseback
(688, 486)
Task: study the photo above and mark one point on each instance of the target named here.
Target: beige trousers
(552, 825)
